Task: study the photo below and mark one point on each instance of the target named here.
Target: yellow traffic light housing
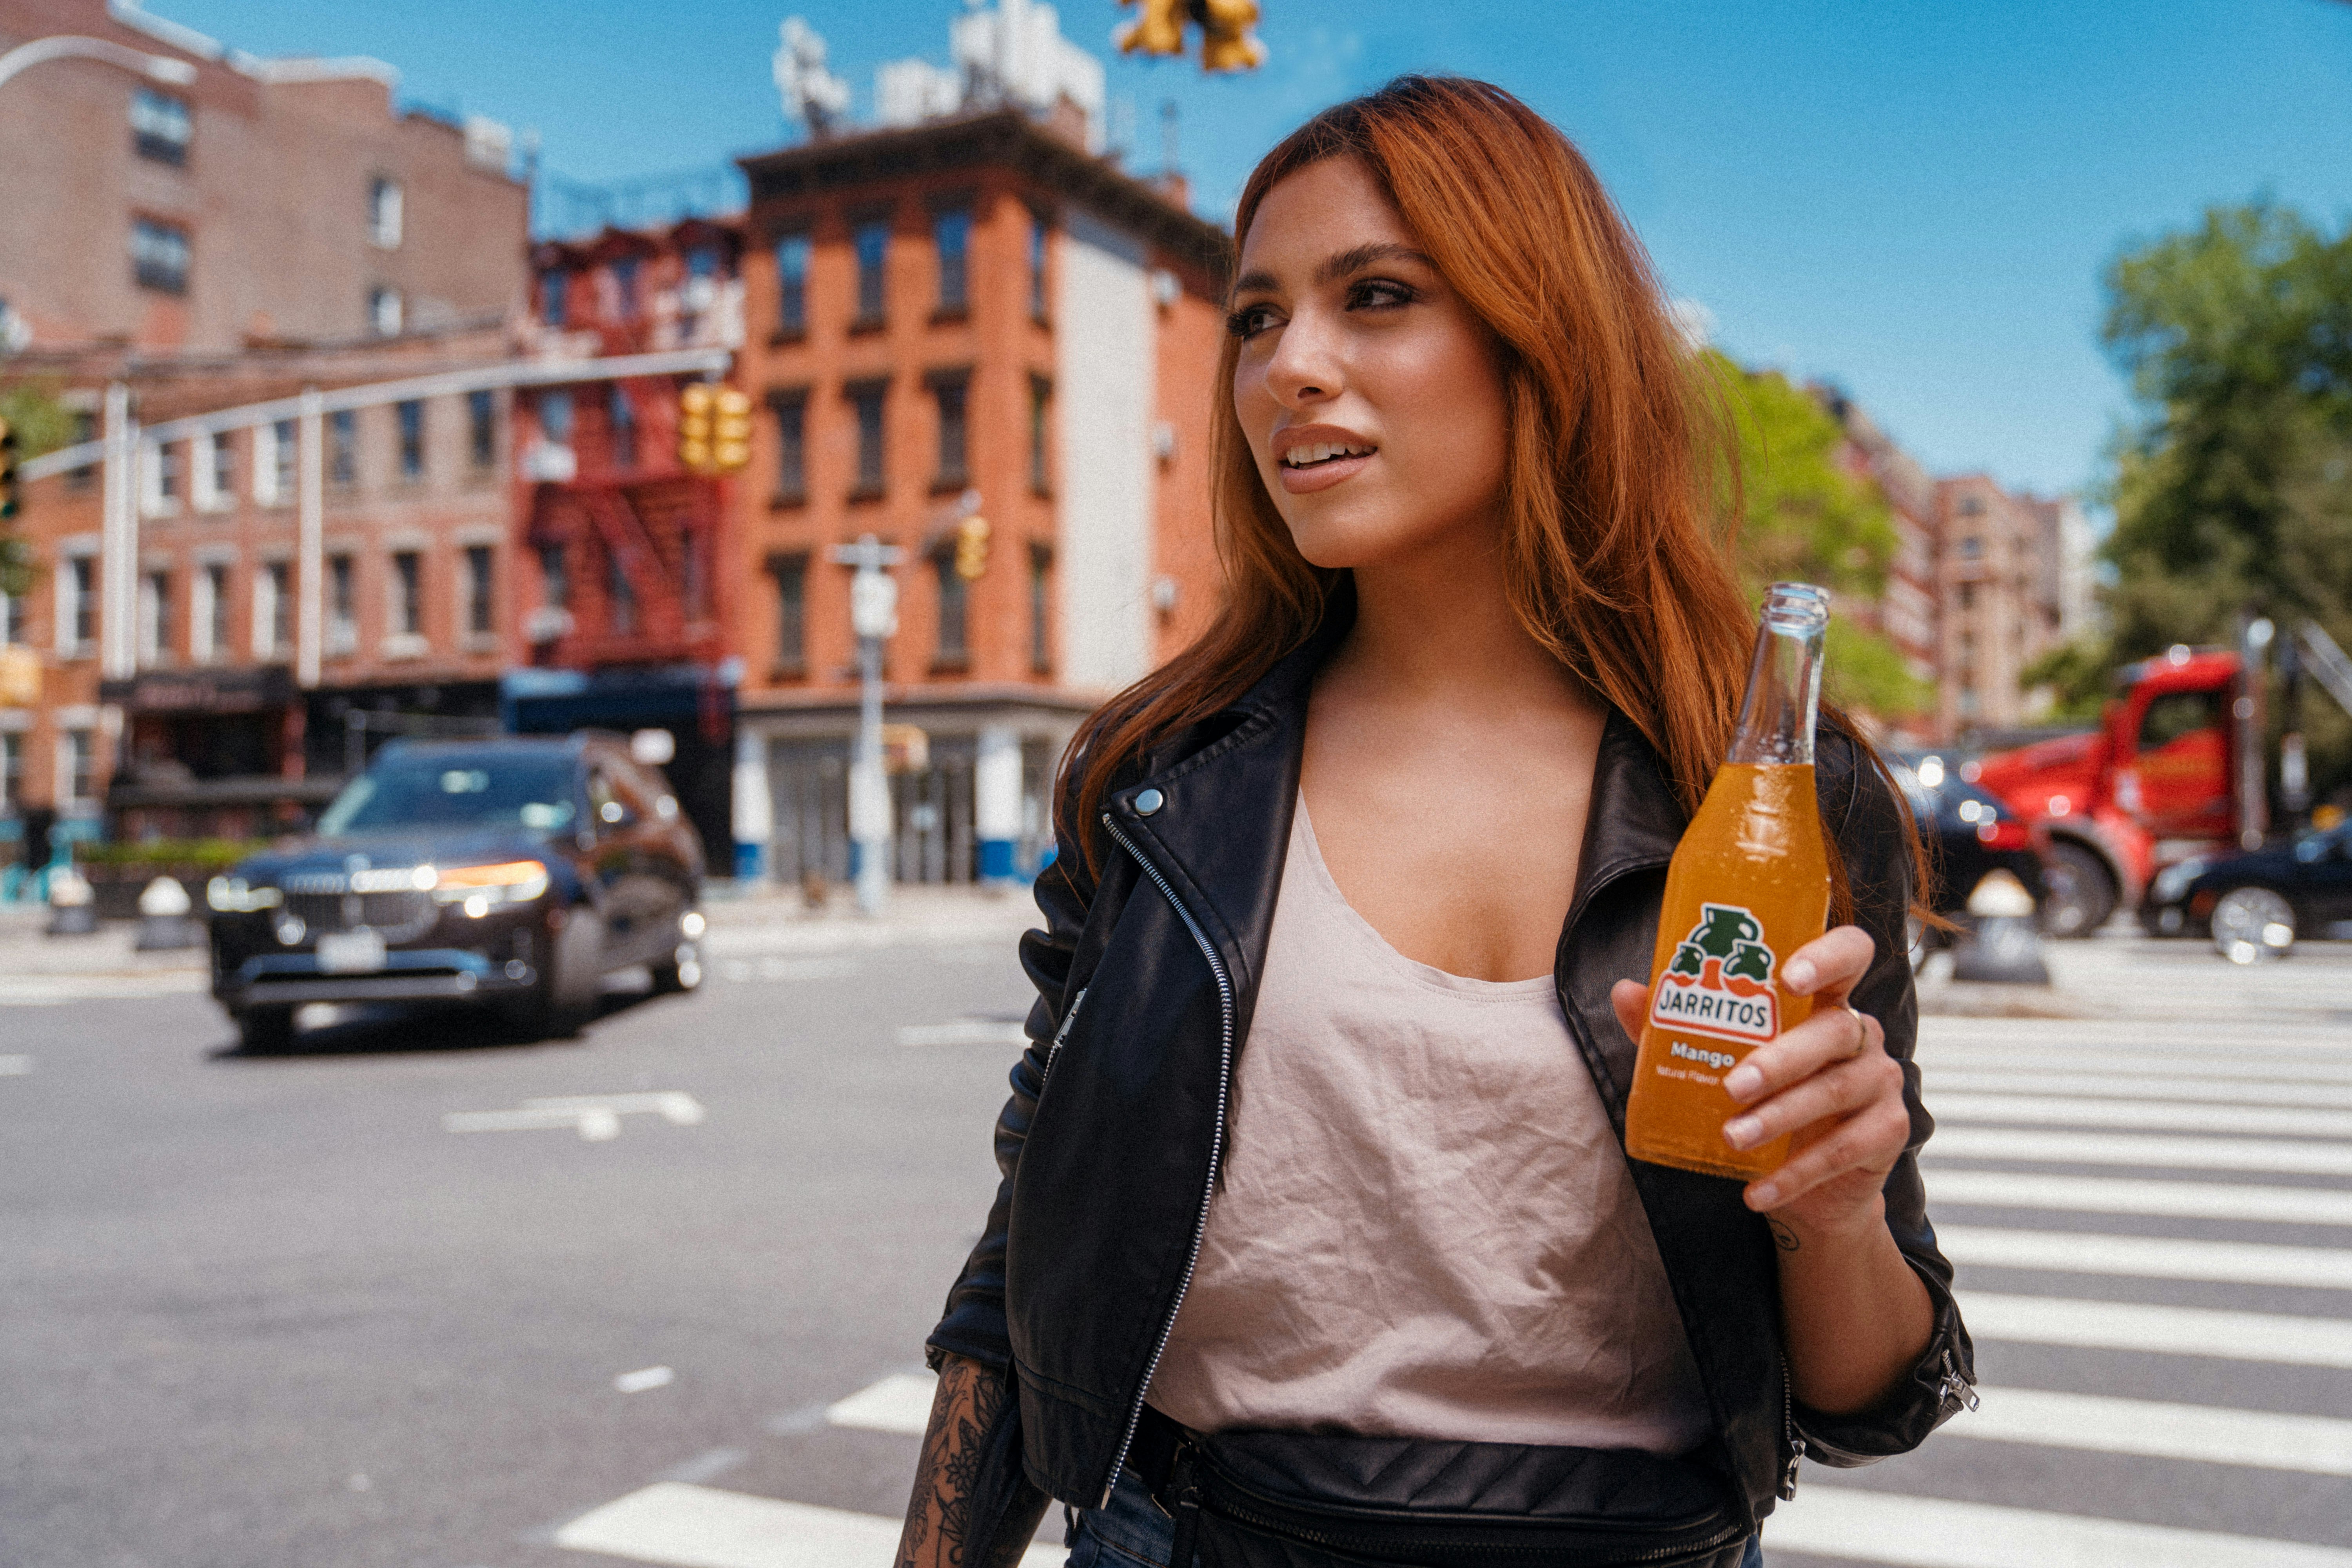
(972, 548)
(694, 410)
(731, 430)
(1228, 43)
(11, 495)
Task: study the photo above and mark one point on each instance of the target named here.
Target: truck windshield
(480, 789)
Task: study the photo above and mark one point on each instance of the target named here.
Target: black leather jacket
(1147, 972)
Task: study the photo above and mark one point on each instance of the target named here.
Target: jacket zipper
(1796, 1445)
(1061, 1035)
(1216, 1143)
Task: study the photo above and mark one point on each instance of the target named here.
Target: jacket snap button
(1150, 801)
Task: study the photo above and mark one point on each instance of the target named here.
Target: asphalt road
(276, 1311)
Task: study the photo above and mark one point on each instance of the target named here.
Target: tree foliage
(40, 424)
(1802, 515)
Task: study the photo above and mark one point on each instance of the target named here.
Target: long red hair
(1618, 454)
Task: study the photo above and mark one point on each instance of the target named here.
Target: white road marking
(899, 1402)
(15, 1067)
(772, 968)
(2195, 1090)
(2325, 1067)
(703, 1527)
(964, 1032)
(649, 1377)
(2277, 1155)
(2160, 1330)
(2126, 1194)
(596, 1117)
(2147, 1257)
(1929, 1532)
(1952, 1109)
(2317, 1444)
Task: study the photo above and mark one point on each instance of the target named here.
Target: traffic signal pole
(873, 615)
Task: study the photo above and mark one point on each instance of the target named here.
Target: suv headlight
(2174, 879)
(481, 888)
(235, 896)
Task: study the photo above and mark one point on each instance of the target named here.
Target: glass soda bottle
(1749, 886)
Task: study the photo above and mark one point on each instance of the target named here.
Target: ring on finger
(1861, 1032)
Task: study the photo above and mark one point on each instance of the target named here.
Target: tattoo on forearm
(938, 1532)
(1782, 1236)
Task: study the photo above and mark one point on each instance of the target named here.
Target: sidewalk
(2122, 974)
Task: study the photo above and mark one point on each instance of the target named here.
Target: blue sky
(1912, 200)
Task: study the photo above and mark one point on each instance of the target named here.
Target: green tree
(41, 424)
(1804, 515)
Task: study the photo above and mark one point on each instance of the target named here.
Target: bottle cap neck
(1784, 678)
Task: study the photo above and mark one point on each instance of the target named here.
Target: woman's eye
(1249, 320)
(1379, 293)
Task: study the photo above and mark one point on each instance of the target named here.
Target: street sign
(874, 603)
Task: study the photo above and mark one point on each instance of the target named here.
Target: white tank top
(1425, 1226)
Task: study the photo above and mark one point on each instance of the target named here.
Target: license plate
(351, 952)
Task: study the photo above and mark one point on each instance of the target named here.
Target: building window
(621, 596)
(552, 285)
(1037, 268)
(1040, 643)
(1971, 548)
(790, 572)
(953, 389)
(623, 417)
(384, 312)
(78, 767)
(555, 417)
(479, 609)
(342, 606)
(624, 287)
(792, 445)
(694, 567)
(1967, 596)
(275, 448)
(866, 397)
(951, 233)
(154, 616)
(77, 606)
(273, 609)
(873, 245)
(12, 620)
(12, 773)
(159, 126)
(216, 472)
(954, 653)
(792, 284)
(343, 447)
(384, 213)
(412, 438)
(554, 578)
(481, 429)
(208, 615)
(407, 594)
(85, 430)
(1041, 405)
(159, 256)
(160, 480)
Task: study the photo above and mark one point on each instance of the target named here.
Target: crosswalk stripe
(2317, 1444)
(2135, 1064)
(2147, 1257)
(1929, 1532)
(2161, 1330)
(689, 1526)
(898, 1403)
(2275, 1154)
(2124, 1194)
(2195, 1090)
(1945, 1036)
(2057, 1112)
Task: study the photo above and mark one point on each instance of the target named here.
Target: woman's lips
(1321, 476)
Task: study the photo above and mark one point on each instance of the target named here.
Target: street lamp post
(873, 615)
(70, 47)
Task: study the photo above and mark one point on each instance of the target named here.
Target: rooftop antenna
(812, 94)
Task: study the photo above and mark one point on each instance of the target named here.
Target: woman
(1320, 1136)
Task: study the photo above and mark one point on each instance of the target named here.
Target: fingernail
(1799, 975)
(1742, 1081)
(1764, 1195)
(1742, 1132)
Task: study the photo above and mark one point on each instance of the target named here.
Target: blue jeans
(1132, 1533)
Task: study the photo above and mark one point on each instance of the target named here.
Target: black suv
(515, 872)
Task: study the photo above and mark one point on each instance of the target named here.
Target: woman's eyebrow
(1337, 265)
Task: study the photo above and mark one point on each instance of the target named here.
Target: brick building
(1998, 605)
(970, 315)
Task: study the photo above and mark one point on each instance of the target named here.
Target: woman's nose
(1304, 367)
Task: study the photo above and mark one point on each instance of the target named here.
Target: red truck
(2176, 768)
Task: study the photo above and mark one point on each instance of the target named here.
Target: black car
(2254, 904)
(514, 872)
(1969, 836)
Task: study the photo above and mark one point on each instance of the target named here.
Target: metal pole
(869, 786)
(117, 565)
(311, 491)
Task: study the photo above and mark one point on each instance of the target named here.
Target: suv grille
(396, 916)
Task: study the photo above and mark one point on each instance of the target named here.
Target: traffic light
(731, 430)
(972, 548)
(694, 401)
(1226, 42)
(11, 500)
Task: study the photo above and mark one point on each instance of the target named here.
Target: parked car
(1969, 835)
(513, 872)
(2256, 903)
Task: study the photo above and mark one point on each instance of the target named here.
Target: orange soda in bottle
(1749, 886)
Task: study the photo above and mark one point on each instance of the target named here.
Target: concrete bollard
(73, 910)
(164, 922)
(2005, 949)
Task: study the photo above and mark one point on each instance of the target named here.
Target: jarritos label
(1719, 981)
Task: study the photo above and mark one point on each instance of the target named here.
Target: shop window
(159, 256)
(161, 126)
